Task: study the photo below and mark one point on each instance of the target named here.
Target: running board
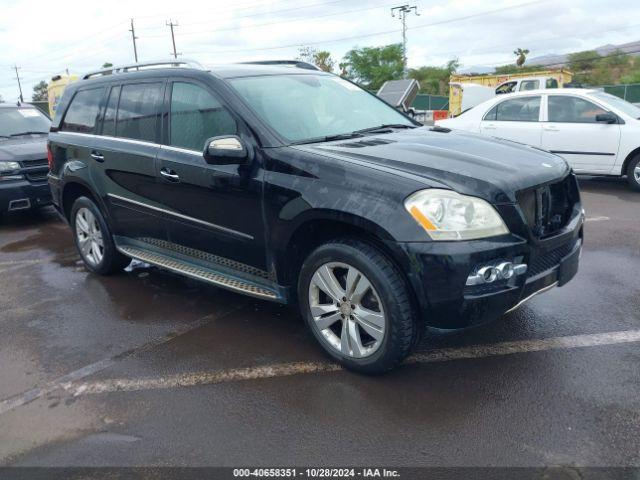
(200, 273)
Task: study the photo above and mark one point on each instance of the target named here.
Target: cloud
(45, 38)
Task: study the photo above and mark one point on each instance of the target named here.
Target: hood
(468, 163)
(28, 147)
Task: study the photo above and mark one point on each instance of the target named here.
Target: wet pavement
(148, 368)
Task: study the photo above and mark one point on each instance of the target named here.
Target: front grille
(40, 162)
(547, 209)
(36, 176)
(550, 259)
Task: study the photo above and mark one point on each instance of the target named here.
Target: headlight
(447, 215)
(8, 166)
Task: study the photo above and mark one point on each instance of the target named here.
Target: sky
(47, 38)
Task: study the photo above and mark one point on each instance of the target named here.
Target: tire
(633, 175)
(108, 260)
(387, 296)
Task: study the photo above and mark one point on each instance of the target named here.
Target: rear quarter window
(82, 114)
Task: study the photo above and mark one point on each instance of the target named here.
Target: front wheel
(93, 238)
(633, 173)
(356, 304)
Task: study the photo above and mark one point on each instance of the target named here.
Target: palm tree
(522, 56)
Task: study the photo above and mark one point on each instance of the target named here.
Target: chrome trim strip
(181, 150)
(184, 217)
(108, 137)
(542, 290)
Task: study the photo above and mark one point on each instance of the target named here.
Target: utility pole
(15, 67)
(402, 12)
(170, 24)
(134, 38)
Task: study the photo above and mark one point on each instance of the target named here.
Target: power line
(375, 34)
(278, 22)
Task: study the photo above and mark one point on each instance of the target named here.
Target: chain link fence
(630, 93)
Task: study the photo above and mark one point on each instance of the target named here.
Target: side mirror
(225, 150)
(607, 118)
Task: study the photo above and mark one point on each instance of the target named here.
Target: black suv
(23, 158)
(291, 184)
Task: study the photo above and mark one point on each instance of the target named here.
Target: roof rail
(291, 63)
(141, 65)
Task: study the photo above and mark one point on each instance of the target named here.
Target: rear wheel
(633, 173)
(93, 239)
(356, 304)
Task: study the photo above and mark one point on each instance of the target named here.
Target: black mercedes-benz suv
(294, 185)
(23, 158)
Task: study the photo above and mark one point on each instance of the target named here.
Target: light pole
(402, 12)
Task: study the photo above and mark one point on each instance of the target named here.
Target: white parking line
(38, 392)
(296, 368)
(596, 219)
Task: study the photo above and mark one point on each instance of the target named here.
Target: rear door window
(82, 114)
(522, 109)
(138, 111)
(196, 115)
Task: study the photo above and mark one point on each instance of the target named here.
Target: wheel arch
(74, 189)
(311, 232)
(633, 154)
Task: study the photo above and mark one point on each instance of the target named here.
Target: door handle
(551, 129)
(97, 156)
(169, 174)
(489, 127)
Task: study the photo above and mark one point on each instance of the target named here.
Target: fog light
(506, 270)
(488, 274)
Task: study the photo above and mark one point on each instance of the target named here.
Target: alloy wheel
(89, 236)
(636, 173)
(346, 310)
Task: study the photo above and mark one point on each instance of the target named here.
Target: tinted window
(524, 109)
(491, 114)
(109, 122)
(529, 84)
(197, 115)
(83, 112)
(567, 109)
(137, 111)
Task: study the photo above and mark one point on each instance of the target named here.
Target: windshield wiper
(386, 126)
(329, 138)
(28, 133)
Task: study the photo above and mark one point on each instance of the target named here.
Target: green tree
(320, 58)
(522, 56)
(40, 92)
(434, 80)
(581, 61)
(372, 66)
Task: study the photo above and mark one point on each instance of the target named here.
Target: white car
(597, 133)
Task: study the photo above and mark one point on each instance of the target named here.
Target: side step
(199, 273)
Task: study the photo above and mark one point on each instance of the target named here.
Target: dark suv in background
(23, 158)
(291, 184)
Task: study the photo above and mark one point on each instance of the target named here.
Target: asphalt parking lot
(147, 368)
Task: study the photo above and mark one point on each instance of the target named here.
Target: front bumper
(438, 272)
(23, 195)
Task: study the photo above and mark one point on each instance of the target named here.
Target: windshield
(616, 102)
(304, 107)
(18, 120)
